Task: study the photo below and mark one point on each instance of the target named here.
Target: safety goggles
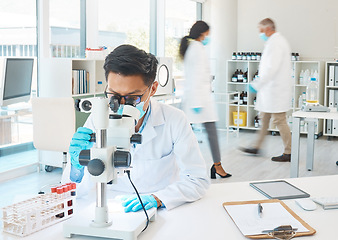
(129, 99)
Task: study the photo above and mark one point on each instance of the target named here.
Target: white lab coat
(197, 85)
(274, 86)
(168, 163)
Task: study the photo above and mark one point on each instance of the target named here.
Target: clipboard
(266, 236)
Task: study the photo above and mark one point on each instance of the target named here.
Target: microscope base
(126, 226)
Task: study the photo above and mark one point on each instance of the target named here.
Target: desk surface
(316, 115)
(206, 218)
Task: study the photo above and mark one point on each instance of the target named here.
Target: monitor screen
(17, 79)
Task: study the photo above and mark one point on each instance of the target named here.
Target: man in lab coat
(274, 88)
(168, 167)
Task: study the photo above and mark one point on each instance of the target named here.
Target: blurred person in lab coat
(274, 88)
(198, 104)
(167, 167)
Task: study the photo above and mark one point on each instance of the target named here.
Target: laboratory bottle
(256, 122)
(306, 77)
(234, 78)
(241, 98)
(301, 78)
(312, 92)
(248, 56)
(254, 101)
(304, 98)
(245, 98)
(245, 76)
(236, 98)
(253, 56)
(297, 56)
(300, 101)
(244, 56)
(240, 76)
(234, 56)
(293, 57)
(239, 56)
(258, 56)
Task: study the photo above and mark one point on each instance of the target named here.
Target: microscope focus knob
(96, 167)
(136, 138)
(122, 159)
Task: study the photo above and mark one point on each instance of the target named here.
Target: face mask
(140, 107)
(120, 110)
(263, 37)
(206, 40)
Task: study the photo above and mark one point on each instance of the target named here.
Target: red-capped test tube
(59, 192)
(53, 191)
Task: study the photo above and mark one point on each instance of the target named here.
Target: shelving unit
(56, 76)
(298, 89)
(331, 97)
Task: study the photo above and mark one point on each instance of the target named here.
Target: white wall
(311, 26)
(221, 15)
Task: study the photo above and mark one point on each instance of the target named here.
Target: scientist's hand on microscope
(80, 141)
(132, 203)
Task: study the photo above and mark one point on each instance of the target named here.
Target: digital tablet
(279, 190)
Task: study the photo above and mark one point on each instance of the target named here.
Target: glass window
(122, 22)
(17, 28)
(64, 20)
(180, 16)
(17, 39)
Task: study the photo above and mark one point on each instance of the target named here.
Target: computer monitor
(16, 80)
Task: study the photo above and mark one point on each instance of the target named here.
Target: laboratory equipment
(31, 215)
(164, 76)
(114, 134)
(16, 80)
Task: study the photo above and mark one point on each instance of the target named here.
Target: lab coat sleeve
(193, 181)
(273, 56)
(197, 72)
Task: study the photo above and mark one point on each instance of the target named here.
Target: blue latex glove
(197, 110)
(252, 89)
(132, 204)
(80, 141)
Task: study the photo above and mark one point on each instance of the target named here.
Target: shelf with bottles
(246, 56)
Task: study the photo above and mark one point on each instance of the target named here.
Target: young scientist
(168, 168)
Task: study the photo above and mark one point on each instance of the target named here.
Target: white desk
(311, 118)
(206, 218)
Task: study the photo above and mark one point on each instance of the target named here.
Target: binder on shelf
(331, 75)
(331, 97)
(80, 81)
(335, 127)
(335, 98)
(336, 76)
(329, 126)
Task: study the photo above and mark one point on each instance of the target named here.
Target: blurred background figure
(273, 87)
(198, 104)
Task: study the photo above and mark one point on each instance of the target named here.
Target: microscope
(113, 136)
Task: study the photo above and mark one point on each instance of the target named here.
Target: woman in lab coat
(167, 166)
(197, 100)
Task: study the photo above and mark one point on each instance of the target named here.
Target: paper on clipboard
(274, 214)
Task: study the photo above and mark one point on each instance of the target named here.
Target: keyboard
(327, 202)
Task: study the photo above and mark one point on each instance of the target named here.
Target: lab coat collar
(155, 119)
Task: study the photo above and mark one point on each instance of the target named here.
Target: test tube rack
(29, 216)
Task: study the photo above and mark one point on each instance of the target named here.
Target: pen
(260, 210)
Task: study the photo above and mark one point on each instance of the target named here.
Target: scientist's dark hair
(196, 31)
(128, 60)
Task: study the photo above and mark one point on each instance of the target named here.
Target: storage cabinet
(331, 97)
(299, 87)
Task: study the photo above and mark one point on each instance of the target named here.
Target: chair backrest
(53, 123)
